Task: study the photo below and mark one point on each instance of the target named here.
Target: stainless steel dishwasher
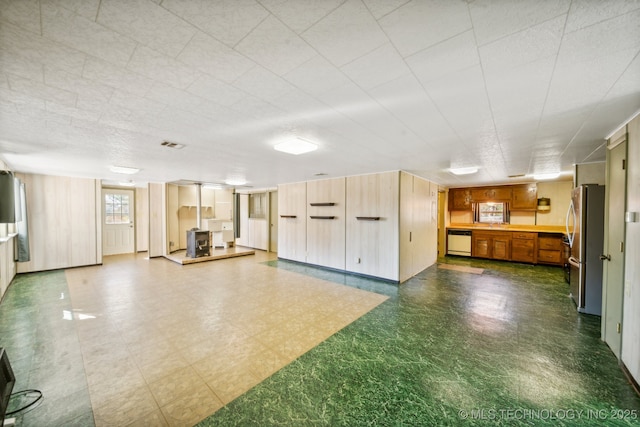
(459, 242)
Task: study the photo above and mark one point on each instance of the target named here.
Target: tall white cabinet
(292, 221)
(381, 225)
(326, 223)
(372, 225)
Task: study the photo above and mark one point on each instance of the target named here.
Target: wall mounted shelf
(321, 217)
(323, 204)
(368, 218)
(288, 216)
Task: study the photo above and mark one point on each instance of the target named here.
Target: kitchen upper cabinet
(326, 222)
(460, 199)
(524, 197)
(491, 194)
(292, 221)
(372, 227)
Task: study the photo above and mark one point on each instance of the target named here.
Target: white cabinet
(292, 221)
(326, 223)
(7, 263)
(372, 225)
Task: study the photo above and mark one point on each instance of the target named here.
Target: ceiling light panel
(295, 146)
(124, 170)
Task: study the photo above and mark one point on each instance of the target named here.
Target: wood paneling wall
(64, 225)
(157, 219)
(326, 237)
(292, 232)
(142, 219)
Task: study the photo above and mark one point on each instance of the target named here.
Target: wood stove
(197, 243)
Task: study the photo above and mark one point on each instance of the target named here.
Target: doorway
(613, 268)
(118, 216)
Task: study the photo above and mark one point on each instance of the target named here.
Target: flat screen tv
(7, 380)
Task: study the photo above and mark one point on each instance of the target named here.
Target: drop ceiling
(509, 87)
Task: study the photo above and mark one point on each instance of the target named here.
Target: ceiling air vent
(172, 145)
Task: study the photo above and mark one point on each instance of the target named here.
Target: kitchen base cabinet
(524, 247)
(492, 245)
(550, 249)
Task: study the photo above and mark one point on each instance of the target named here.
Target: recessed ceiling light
(296, 146)
(124, 170)
(463, 171)
(235, 181)
(545, 176)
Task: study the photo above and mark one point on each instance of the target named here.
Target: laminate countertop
(510, 227)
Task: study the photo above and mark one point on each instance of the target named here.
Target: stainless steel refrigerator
(585, 228)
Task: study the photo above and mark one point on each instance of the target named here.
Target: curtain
(22, 228)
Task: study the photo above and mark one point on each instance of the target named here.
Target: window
(116, 208)
(257, 205)
(492, 213)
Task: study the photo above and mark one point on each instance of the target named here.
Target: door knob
(605, 257)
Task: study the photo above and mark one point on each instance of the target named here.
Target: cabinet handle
(321, 217)
(368, 218)
(288, 216)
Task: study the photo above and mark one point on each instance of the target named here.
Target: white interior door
(118, 213)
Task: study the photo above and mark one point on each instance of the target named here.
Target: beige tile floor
(166, 344)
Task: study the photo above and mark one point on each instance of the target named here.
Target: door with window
(118, 215)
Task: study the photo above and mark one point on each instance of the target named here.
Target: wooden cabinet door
(326, 223)
(481, 245)
(292, 221)
(372, 224)
(524, 198)
(501, 247)
(523, 250)
(460, 199)
(491, 194)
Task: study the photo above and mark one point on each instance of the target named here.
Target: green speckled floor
(506, 347)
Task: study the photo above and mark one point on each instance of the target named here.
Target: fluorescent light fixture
(296, 146)
(124, 170)
(127, 184)
(546, 176)
(236, 181)
(463, 171)
(212, 186)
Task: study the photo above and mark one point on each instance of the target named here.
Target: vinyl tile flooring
(255, 341)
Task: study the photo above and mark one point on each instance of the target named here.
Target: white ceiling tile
(210, 56)
(316, 76)
(584, 13)
(586, 83)
(48, 117)
(275, 47)
(136, 103)
(379, 8)
(422, 24)
(72, 113)
(229, 21)
(300, 15)
(24, 13)
(263, 83)
(115, 77)
(15, 63)
(256, 108)
(16, 97)
(73, 30)
(215, 90)
(176, 98)
(70, 82)
(162, 68)
(39, 90)
(147, 23)
(346, 34)
(452, 55)
(493, 20)
(86, 8)
(22, 46)
(408, 102)
(380, 66)
(462, 99)
(601, 39)
(523, 47)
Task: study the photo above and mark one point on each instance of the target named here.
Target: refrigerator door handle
(571, 235)
(573, 261)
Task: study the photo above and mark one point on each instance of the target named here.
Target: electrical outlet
(171, 243)
(357, 260)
